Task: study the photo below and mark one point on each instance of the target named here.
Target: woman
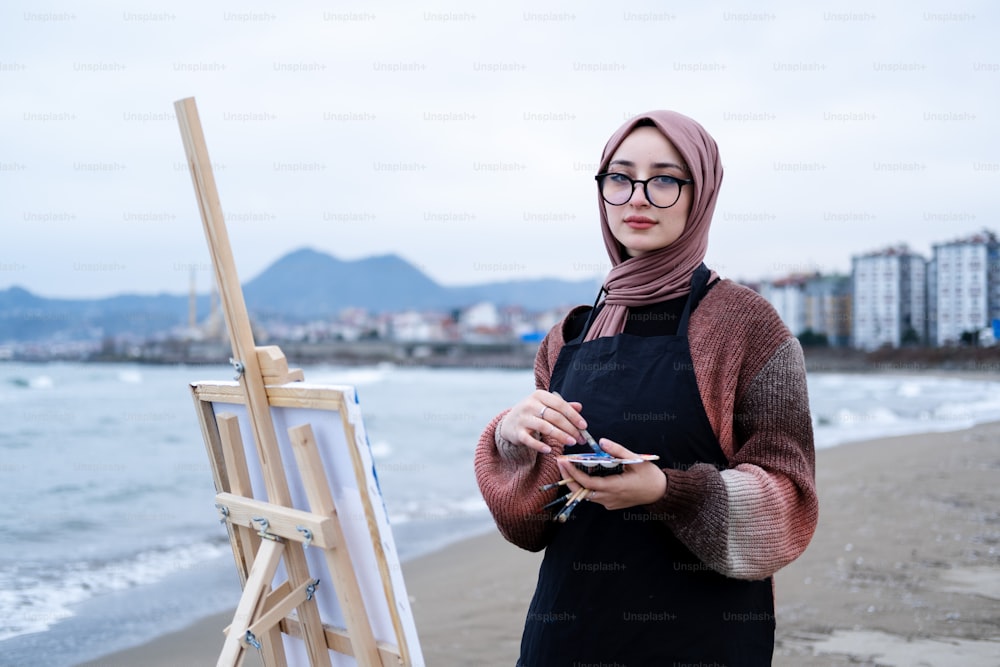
(669, 562)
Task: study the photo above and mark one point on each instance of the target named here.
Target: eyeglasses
(660, 191)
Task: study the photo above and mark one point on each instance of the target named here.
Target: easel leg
(261, 574)
(231, 446)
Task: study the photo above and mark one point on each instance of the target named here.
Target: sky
(464, 138)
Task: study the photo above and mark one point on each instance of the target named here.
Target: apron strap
(699, 279)
(590, 320)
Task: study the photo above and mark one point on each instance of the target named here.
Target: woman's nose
(643, 200)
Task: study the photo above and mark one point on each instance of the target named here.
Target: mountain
(302, 285)
(306, 283)
(27, 317)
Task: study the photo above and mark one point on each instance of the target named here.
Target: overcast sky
(465, 138)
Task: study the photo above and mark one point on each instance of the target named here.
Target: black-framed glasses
(660, 191)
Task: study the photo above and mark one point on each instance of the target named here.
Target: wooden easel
(266, 533)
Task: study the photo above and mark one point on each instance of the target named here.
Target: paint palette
(599, 465)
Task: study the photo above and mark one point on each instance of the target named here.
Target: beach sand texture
(904, 570)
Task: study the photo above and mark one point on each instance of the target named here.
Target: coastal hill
(309, 284)
(300, 286)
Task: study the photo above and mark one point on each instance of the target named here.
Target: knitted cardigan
(747, 521)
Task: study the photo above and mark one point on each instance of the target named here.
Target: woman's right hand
(543, 414)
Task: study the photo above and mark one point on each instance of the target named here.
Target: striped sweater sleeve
(759, 514)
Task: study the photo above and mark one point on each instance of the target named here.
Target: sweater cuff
(683, 498)
(661, 509)
(510, 452)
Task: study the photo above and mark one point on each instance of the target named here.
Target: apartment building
(788, 297)
(964, 287)
(889, 304)
(827, 303)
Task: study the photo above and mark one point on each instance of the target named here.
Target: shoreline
(520, 355)
(904, 566)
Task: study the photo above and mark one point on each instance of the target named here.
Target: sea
(108, 531)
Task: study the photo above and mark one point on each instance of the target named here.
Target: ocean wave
(35, 596)
(37, 382)
(849, 408)
(360, 376)
(381, 449)
(130, 376)
(421, 510)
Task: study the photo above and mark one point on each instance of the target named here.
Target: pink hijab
(665, 273)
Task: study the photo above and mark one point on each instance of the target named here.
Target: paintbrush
(554, 485)
(589, 438)
(560, 499)
(574, 500)
(593, 444)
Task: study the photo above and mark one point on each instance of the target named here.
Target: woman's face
(638, 225)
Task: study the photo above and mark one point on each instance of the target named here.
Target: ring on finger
(541, 415)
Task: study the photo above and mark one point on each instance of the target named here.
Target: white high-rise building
(890, 305)
(932, 314)
(788, 297)
(965, 287)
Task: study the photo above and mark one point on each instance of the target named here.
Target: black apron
(616, 587)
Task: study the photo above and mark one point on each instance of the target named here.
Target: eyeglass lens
(660, 191)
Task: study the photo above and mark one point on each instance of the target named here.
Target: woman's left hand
(638, 484)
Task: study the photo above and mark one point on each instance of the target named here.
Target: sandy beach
(904, 570)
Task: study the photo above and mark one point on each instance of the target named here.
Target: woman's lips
(639, 221)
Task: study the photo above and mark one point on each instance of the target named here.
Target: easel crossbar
(283, 607)
(284, 522)
(338, 639)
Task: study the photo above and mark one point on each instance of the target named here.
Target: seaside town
(894, 298)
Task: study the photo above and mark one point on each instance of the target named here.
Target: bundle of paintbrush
(571, 499)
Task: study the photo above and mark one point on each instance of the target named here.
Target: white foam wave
(449, 509)
(130, 377)
(381, 449)
(33, 598)
(849, 408)
(41, 382)
(852, 418)
(365, 375)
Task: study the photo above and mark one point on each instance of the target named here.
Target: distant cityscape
(894, 298)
